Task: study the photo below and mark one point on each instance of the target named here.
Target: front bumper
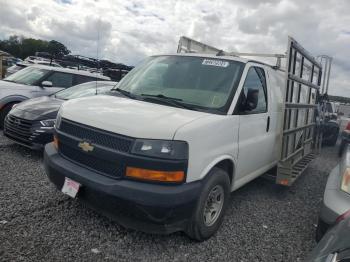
(152, 208)
(335, 201)
(29, 133)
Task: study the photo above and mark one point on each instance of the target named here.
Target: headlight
(48, 122)
(345, 184)
(58, 119)
(161, 148)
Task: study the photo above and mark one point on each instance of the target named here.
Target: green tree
(57, 49)
(23, 47)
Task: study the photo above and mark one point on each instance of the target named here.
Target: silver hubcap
(213, 205)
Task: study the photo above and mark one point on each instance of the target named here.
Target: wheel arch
(11, 99)
(227, 163)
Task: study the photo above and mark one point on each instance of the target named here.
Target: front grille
(18, 128)
(96, 136)
(112, 169)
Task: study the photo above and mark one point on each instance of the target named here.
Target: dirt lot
(264, 222)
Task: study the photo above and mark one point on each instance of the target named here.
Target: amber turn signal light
(55, 141)
(155, 175)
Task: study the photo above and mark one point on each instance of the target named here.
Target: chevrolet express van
(165, 148)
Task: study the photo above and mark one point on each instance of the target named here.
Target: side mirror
(251, 101)
(46, 84)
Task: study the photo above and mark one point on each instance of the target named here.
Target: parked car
(336, 200)
(38, 80)
(16, 67)
(330, 126)
(19, 66)
(344, 139)
(335, 245)
(31, 122)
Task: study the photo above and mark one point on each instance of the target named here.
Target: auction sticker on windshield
(215, 62)
(70, 187)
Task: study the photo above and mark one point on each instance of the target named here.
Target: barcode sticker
(215, 62)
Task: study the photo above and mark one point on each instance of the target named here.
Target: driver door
(256, 141)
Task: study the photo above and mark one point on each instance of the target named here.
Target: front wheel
(211, 206)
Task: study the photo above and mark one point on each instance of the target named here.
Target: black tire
(321, 230)
(3, 113)
(197, 228)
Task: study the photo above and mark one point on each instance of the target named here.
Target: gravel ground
(264, 222)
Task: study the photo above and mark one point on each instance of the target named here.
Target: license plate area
(70, 187)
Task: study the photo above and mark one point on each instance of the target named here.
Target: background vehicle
(344, 139)
(330, 126)
(31, 122)
(38, 80)
(336, 200)
(19, 66)
(335, 245)
(190, 129)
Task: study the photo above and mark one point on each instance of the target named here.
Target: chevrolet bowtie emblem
(85, 146)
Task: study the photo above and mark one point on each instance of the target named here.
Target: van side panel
(211, 139)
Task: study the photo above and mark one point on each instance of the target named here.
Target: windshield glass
(86, 89)
(206, 83)
(27, 76)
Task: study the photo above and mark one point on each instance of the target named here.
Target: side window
(255, 84)
(60, 79)
(80, 79)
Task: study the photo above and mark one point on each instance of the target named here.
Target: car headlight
(48, 122)
(58, 119)
(345, 184)
(161, 148)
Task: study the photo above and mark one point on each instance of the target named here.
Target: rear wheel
(3, 113)
(211, 206)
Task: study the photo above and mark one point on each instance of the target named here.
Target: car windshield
(203, 83)
(86, 89)
(27, 76)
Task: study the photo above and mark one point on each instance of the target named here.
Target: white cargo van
(162, 152)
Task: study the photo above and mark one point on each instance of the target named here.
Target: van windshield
(206, 84)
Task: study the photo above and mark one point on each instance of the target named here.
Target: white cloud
(131, 30)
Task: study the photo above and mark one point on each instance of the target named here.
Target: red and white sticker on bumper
(70, 187)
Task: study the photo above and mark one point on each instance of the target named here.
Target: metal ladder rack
(188, 45)
(301, 138)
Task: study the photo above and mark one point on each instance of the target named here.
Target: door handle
(268, 124)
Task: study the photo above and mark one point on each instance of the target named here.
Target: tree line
(21, 47)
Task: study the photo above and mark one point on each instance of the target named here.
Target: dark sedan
(31, 122)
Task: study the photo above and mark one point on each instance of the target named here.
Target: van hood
(129, 117)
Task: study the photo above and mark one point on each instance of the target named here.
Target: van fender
(217, 160)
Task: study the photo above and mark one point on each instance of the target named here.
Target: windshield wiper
(168, 100)
(123, 92)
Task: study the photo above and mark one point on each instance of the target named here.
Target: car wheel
(3, 113)
(211, 206)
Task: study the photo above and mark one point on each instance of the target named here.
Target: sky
(128, 31)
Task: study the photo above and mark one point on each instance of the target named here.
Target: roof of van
(232, 58)
(71, 71)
